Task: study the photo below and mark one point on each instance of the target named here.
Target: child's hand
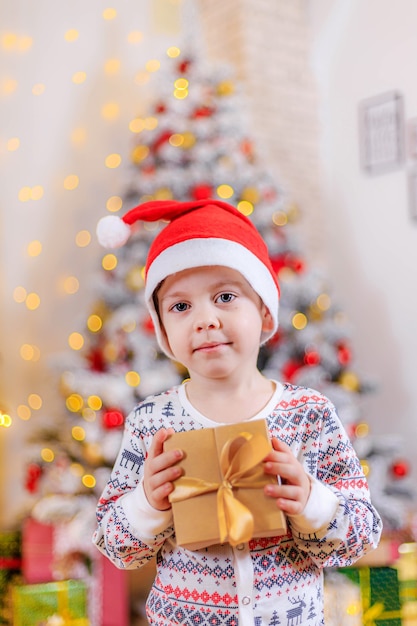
(293, 492)
(160, 470)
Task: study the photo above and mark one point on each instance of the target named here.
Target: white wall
(34, 50)
(362, 49)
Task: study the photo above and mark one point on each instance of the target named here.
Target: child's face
(213, 320)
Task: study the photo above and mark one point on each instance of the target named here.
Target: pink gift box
(109, 594)
(37, 552)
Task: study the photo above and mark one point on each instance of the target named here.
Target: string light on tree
(5, 419)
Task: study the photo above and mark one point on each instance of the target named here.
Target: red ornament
(312, 357)
(344, 354)
(96, 360)
(203, 111)
(161, 140)
(290, 368)
(278, 262)
(160, 107)
(33, 474)
(288, 260)
(297, 264)
(148, 326)
(112, 418)
(202, 192)
(247, 148)
(400, 469)
(184, 66)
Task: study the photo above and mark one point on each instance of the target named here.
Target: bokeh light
(79, 77)
(71, 182)
(109, 14)
(33, 301)
(109, 262)
(34, 248)
(225, 191)
(83, 238)
(114, 204)
(47, 455)
(299, 321)
(71, 35)
(35, 401)
(76, 341)
(13, 144)
(132, 379)
(113, 160)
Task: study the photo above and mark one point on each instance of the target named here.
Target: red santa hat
(199, 233)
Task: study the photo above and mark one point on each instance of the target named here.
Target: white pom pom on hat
(112, 232)
(198, 233)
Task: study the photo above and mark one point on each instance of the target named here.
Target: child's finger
(280, 446)
(157, 445)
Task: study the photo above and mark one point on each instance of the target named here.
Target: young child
(213, 297)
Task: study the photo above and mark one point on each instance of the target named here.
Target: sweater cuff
(146, 521)
(319, 511)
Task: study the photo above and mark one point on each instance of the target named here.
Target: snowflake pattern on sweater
(268, 581)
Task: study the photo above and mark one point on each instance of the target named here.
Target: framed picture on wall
(381, 133)
(412, 194)
(412, 138)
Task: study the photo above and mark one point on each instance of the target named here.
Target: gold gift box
(220, 497)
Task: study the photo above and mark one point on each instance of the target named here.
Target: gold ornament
(188, 140)
(250, 194)
(315, 313)
(139, 154)
(225, 88)
(134, 279)
(92, 454)
(164, 193)
(110, 352)
(349, 381)
(101, 309)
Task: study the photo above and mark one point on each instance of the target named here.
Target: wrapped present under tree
(379, 594)
(37, 552)
(406, 565)
(62, 602)
(10, 565)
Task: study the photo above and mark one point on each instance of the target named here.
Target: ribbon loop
(239, 460)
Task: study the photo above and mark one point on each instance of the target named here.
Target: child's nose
(206, 322)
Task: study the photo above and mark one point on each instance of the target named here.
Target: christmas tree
(195, 144)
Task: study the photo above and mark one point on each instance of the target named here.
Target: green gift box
(380, 594)
(10, 550)
(406, 567)
(63, 602)
(10, 543)
(10, 565)
(8, 578)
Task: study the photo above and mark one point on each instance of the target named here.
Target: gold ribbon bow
(374, 612)
(239, 461)
(63, 620)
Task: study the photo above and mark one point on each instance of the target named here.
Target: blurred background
(304, 114)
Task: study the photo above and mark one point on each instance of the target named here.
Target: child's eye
(180, 307)
(226, 297)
